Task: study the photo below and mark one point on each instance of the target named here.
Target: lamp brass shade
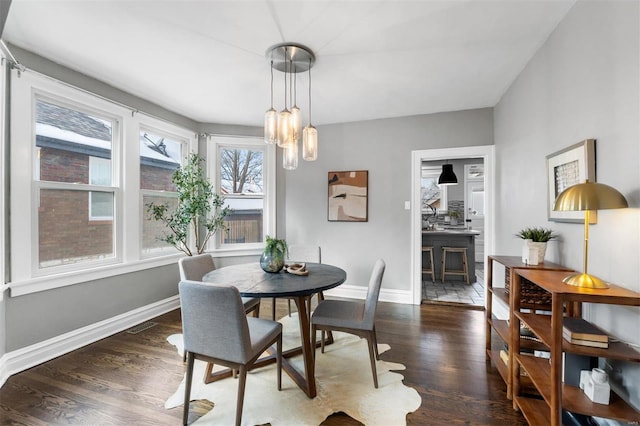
(590, 196)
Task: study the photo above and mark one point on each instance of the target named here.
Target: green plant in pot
(536, 238)
(200, 209)
(272, 259)
(454, 215)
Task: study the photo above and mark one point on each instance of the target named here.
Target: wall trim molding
(21, 359)
(359, 292)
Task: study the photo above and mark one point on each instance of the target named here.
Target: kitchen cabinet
(451, 238)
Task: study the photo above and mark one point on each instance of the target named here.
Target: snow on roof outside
(245, 203)
(172, 149)
(47, 130)
(53, 132)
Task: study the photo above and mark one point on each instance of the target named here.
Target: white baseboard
(359, 292)
(27, 357)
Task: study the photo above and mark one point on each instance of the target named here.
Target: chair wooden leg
(207, 373)
(372, 357)
(289, 306)
(375, 343)
(256, 311)
(322, 341)
(187, 387)
(279, 361)
(241, 385)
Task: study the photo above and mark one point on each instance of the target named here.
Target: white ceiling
(374, 59)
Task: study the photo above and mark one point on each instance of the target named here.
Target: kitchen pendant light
(447, 177)
(309, 134)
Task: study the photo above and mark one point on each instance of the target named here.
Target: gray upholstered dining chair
(193, 268)
(300, 254)
(217, 330)
(353, 317)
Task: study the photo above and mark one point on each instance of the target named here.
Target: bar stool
(430, 270)
(464, 272)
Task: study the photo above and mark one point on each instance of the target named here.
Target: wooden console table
(502, 328)
(546, 374)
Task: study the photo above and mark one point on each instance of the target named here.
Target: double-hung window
(83, 170)
(161, 154)
(74, 185)
(242, 169)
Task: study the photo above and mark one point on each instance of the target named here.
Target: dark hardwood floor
(125, 379)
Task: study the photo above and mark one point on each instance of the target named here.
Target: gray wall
(583, 83)
(39, 316)
(35, 317)
(383, 147)
(59, 72)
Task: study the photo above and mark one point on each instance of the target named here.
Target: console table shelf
(502, 327)
(546, 374)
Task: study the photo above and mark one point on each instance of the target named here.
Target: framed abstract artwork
(348, 196)
(568, 167)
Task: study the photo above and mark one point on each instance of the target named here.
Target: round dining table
(252, 281)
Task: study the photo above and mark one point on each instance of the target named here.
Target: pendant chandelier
(284, 128)
(447, 177)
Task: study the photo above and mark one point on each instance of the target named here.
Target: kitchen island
(451, 238)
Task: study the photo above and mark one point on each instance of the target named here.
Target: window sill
(236, 252)
(51, 282)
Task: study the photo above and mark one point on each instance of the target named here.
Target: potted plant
(272, 259)
(535, 238)
(454, 217)
(199, 209)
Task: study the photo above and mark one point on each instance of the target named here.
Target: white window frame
(3, 98)
(269, 189)
(189, 142)
(434, 172)
(25, 278)
(92, 166)
(101, 109)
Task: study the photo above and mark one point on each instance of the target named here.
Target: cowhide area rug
(343, 380)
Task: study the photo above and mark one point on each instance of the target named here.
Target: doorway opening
(469, 205)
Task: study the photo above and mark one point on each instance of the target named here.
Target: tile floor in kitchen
(455, 291)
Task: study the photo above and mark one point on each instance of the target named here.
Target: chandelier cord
(285, 79)
(309, 90)
(295, 87)
(291, 85)
(272, 84)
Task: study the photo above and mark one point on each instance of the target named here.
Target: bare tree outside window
(241, 181)
(241, 171)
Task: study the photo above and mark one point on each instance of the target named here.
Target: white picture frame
(565, 168)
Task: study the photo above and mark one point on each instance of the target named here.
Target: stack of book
(580, 332)
(504, 356)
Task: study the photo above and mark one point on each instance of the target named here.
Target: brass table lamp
(588, 196)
